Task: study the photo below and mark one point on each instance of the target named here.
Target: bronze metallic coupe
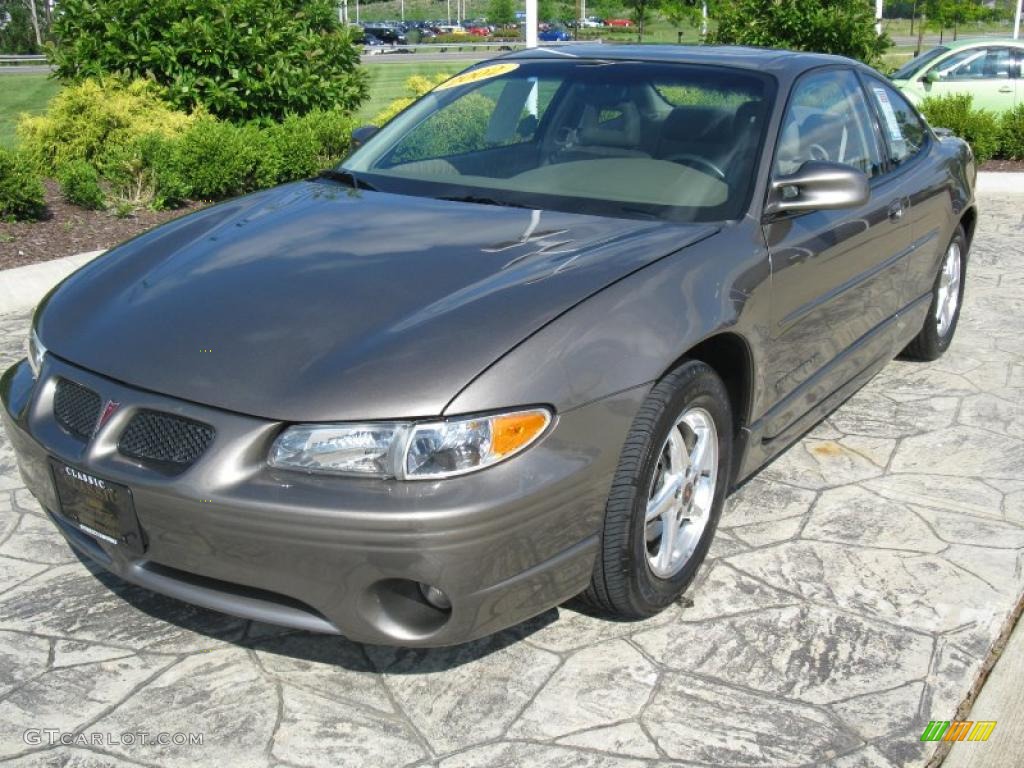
(518, 346)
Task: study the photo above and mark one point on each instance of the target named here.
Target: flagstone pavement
(852, 595)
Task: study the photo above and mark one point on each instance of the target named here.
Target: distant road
(26, 69)
(409, 58)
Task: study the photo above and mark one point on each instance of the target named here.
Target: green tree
(501, 12)
(239, 59)
(641, 12)
(843, 27)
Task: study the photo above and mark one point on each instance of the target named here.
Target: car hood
(316, 302)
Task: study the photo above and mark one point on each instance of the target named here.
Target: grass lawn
(387, 81)
(22, 93)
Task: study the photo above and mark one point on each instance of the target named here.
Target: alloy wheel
(949, 290)
(682, 492)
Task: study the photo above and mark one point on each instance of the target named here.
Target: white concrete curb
(993, 183)
(21, 288)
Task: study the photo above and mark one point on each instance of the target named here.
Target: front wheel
(936, 335)
(667, 495)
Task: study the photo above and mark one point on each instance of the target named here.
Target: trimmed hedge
(21, 187)
(1012, 134)
(118, 144)
(80, 184)
(978, 127)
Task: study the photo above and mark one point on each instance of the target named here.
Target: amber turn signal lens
(512, 432)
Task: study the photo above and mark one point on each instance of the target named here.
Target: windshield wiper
(483, 201)
(348, 178)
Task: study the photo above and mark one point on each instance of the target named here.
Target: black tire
(929, 344)
(623, 583)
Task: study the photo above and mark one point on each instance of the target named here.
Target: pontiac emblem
(108, 410)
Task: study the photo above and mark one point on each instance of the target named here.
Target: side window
(976, 64)
(828, 119)
(905, 131)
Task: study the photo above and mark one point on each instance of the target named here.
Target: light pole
(531, 23)
(878, 16)
(1016, 20)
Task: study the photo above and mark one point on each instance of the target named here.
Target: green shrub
(241, 60)
(97, 121)
(214, 159)
(21, 189)
(80, 184)
(1011, 134)
(843, 27)
(978, 127)
(306, 145)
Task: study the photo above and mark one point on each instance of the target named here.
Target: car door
(837, 275)
(984, 72)
(906, 143)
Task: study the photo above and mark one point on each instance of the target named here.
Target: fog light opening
(436, 597)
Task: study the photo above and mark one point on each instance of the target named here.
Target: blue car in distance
(554, 35)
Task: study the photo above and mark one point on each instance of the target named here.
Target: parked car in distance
(618, 23)
(388, 35)
(468, 374)
(554, 35)
(990, 70)
(591, 22)
(369, 40)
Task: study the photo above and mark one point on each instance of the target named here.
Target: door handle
(1006, 89)
(896, 210)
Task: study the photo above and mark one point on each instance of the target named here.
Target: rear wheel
(936, 335)
(667, 495)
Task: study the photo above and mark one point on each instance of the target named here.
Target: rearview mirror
(818, 186)
(361, 135)
(931, 76)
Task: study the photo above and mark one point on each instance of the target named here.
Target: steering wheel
(818, 152)
(699, 163)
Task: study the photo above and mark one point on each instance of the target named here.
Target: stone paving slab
(853, 593)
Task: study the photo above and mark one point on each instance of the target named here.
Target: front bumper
(333, 554)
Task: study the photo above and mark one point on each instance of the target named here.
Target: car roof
(763, 59)
(971, 42)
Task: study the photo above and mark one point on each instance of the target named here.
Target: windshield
(630, 139)
(907, 71)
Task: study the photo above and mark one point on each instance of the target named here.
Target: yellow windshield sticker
(476, 75)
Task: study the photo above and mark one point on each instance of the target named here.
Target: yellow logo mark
(958, 730)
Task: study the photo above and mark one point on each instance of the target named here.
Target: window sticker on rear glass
(484, 73)
(890, 115)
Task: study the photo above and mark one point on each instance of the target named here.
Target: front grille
(76, 408)
(166, 439)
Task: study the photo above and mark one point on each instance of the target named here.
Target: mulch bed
(68, 230)
(1003, 165)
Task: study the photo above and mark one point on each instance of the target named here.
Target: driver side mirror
(361, 135)
(817, 186)
(931, 77)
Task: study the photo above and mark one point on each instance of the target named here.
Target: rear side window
(905, 132)
(976, 64)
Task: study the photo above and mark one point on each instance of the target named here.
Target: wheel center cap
(687, 493)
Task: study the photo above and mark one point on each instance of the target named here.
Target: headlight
(36, 351)
(345, 449)
(409, 450)
(447, 448)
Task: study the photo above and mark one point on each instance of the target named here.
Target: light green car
(988, 69)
